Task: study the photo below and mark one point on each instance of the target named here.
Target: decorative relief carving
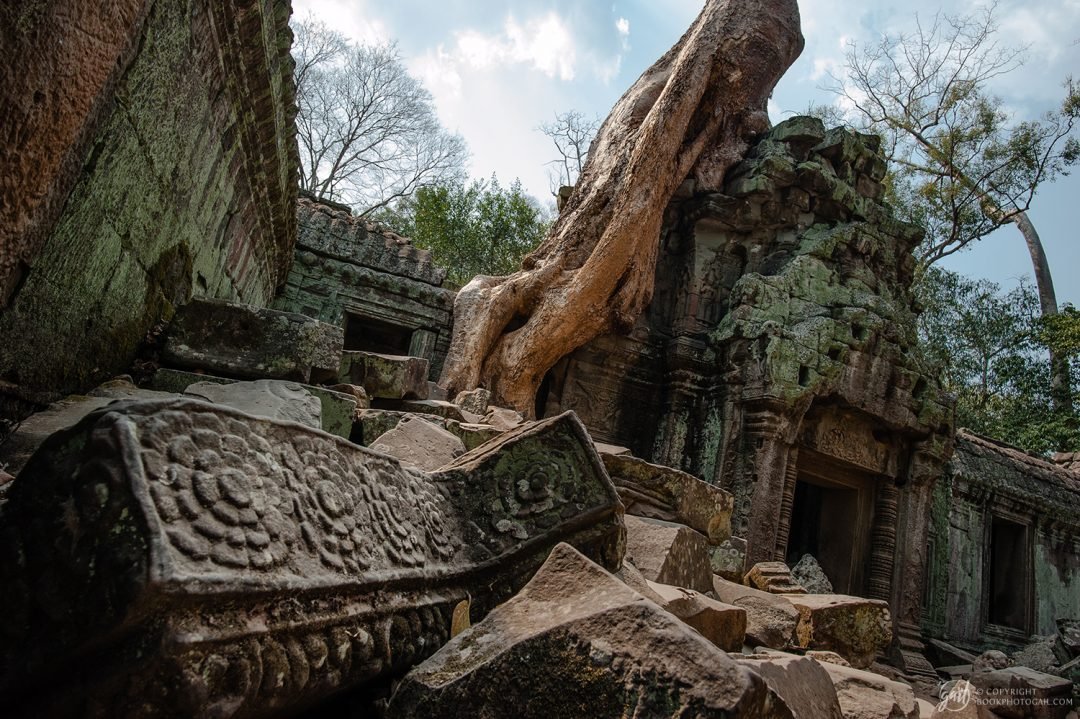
(213, 557)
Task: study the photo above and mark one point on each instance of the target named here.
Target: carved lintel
(181, 558)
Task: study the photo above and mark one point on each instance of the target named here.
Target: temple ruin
(232, 485)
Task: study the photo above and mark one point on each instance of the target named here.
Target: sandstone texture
(669, 553)
(270, 398)
(175, 557)
(722, 624)
(386, 376)
(771, 621)
(855, 628)
(575, 643)
(419, 443)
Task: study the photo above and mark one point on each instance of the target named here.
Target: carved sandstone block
(857, 629)
(178, 558)
(669, 553)
(577, 642)
(386, 376)
(651, 490)
(245, 341)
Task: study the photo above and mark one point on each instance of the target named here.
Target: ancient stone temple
(386, 294)
(778, 360)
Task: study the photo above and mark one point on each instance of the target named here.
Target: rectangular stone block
(180, 558)
(252, 342)
(386, 376)
(857, 629)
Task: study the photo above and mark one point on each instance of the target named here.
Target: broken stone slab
(1068, 638)
(658, 492)
(941, 653)
(857, 629)
(772, 577)
(386, 376)
(1038, 654)
(20, 445)
(576, 642)
(822, 655)
(249, 342)
(271, 398)
(436, 407)
(865, 695)
(613, 449)
(338, 408)
(722, 624)
(809, 575)
(990, 660)
(728, 559)
(502, 419)
(802, 683)
(472, 435)
(355, 391)
(669, 553)
(475, 401)
(419, 443)
(1023, 693)
(770, 620)
(186, 559)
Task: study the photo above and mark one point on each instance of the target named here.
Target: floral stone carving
(178, 558)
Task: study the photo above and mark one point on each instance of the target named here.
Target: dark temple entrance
(831, 518)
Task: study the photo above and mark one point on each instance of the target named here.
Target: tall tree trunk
(693, 113)
(1060, 389)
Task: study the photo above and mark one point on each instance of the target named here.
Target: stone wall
(995, 499)
(385, 293)
(779, 354)
(151, 157)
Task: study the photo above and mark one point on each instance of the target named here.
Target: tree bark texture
(691, 115)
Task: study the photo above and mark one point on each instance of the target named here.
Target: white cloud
(545, 43)
(622, 26)
(353, 18)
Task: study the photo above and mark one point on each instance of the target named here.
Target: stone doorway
(371, 335)
(832, 518)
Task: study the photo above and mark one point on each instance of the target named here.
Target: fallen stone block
(475, 401)
(728, 559)
(722, 624)
(772, 577)
(17, 449)
(576, 642)
(472, 435)
(1068, 638)
(502, 418)
(669, 553)
(338, 408)
(386, 376)
(658, 492)
(419, 443)
(271, 398)
(809, 575)
(857, 629)
(358, 393)
(1023, 693)
(865, 695)
(613, 449)
(804, 686)
(829, 657)
(770, 620)
(252, 342)
(990, 660)
(941, 653)
(1038, 654)
(178, 558)
(435, 407)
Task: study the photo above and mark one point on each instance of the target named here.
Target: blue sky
(497, 69)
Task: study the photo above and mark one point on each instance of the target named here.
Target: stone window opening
(367, 334)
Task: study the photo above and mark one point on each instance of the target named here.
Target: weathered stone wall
(347, 269)
(985, 480)
(171, 173)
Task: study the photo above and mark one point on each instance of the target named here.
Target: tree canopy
(991, 348)
(367, 130)
(472, 228)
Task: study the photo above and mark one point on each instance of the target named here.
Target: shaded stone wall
(350, 273)
(985, 484)
(780, 346)
(171, 174)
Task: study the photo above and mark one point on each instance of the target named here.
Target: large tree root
(692, 114)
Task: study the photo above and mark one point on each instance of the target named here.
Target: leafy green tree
(991, 348)
(475, 228)
(962, 166)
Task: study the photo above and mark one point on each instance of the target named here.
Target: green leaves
(991, 349)
(476, 228)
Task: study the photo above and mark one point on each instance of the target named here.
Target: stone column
(765, 478)
(883, 541)
(784, 528)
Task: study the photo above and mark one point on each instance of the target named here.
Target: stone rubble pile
(222, 543)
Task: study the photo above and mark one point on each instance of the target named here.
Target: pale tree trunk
(692, 114)
(1060, 389)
